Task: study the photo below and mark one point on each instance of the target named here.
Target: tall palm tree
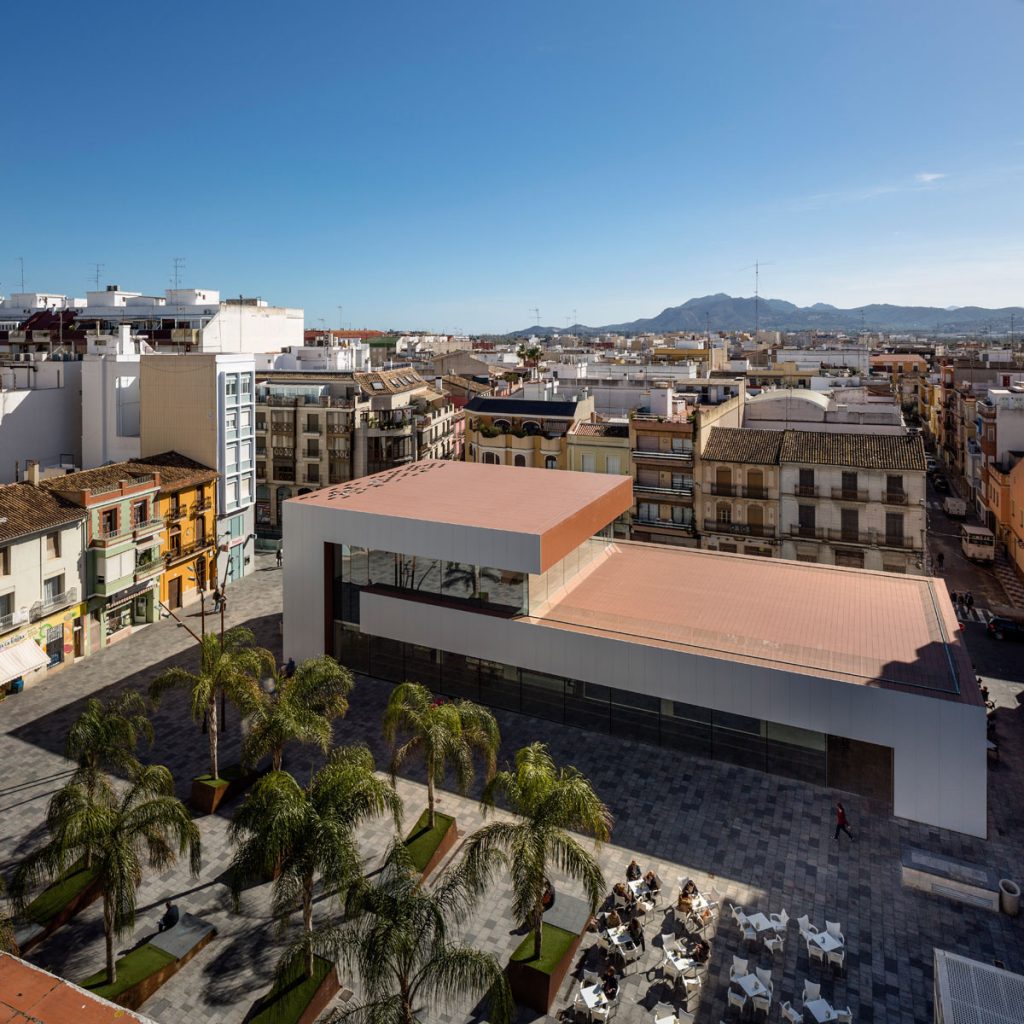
(444, 733)
(301, 708)
(8, 943)
(401, 939)
(305, 833)
(549, 802)
(104, 738)
(117, 829)
(231, 666)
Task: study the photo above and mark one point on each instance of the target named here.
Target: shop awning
(20, 659)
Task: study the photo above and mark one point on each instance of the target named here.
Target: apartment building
(134, 516)
(470, 579)
(203, 407)
(41, 596)
(313, 430)
(739, 491)
(662, 465)
(1000, 433)
(523, 432)
(602, 447)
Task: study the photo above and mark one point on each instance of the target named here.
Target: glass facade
(686, 728)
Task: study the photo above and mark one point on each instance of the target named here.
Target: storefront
(22, 662)
(133, 606)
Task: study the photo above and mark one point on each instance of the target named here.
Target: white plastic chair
(749, 933)
(630, 954)
(590, 977)
(835, 931)
(844, 1016)
(780, 920)
(805, 926)
(790, 1015)
(765, 977)
(775, 945)
(812, 991)
(668, 939)
(837, 958)
(669, 1018)
(737, 999)
(739, 968)
(738, 916)
(607, 1011)
(670, 970)
(763, 1004)
(815, 952)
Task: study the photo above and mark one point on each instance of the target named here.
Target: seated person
(636, 934)
(609, 983)
(612, 920)
(633, 872)
(701, 951)
(690, 889)
(170, 918)
(653, 881)
(548, 896)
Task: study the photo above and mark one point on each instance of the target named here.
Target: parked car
(931, 465)
(1006, 629)
(941, 484)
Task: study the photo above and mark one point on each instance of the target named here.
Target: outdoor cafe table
(751, 985)
(679, 960)
(639, 888)
(821, 1011)
(759, 922)
(593, 996)
(825, 941)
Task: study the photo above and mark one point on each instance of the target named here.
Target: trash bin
(16, 685)
(1009, 897)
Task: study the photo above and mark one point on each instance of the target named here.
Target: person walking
(280, 557)
(842, 822)
(969, 601)
(940, 560)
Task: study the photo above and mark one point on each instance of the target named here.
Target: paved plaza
(764, 842)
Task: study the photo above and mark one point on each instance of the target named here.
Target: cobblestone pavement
(763, 841)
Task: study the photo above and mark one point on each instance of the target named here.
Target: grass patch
(423, 841)
(55, 897)
(209, 780)
(554, 944)
(132, 968)
(286, 1001)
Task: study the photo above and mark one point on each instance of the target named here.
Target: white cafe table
(751, 985)
(759, 922)
(821, 1010)
(825, 941)
(593, 996)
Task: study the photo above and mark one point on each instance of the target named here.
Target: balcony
(311, 428)
(873, 538)
(108, 538)
(147, 568)
(740, 529)
(145, 526)
(176, 515)
(53, 604)
(894, 497)
(736, 491)
(808, 532)
(664, 492)
(805, 491)
(281, 428)
(283, 453)
(201, 506)
(311, 453)
(639, 455)
(13, 619)
(284, 473)
(179, 554)
(667, 524)
(846, 494)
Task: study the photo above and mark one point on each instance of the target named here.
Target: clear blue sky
(453, 164)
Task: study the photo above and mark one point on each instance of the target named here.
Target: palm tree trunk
(408, 1017)
(211, 716)
(277, 758)
(538, 929)
(108, 934)
(307, 920)
(430, 796)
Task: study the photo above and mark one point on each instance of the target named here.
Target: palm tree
(8, 943)
(444, 733)
(116, 829)
(401, 939)
(228, 665)
(104, 738)
(303, 833)
(301, 708)
(549, 801)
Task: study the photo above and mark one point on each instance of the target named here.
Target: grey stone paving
(764, 842)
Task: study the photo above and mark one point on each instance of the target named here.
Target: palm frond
(458, 973)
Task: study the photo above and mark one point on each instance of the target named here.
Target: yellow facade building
(188, 507)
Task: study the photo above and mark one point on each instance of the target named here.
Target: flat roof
(551, 512)
(853, 625)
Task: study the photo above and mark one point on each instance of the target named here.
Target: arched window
(550, 462)
(520, 460)
(531, 427)
(503, 425)
(490, 458)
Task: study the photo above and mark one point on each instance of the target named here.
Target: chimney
(32, 472)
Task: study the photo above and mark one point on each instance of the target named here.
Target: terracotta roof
(391, 382)
(176, 471)
(861, 451)
(852, 625)
(455, 381)
(25, 510)
(587, 429)
(735, 444)
(30, 995)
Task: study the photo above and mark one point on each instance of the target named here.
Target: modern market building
(503, 585)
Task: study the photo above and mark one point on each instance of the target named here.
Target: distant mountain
(725, 313)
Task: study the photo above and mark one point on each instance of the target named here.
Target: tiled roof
(455, 381)
(586, 429)
(391, 381)
(861, 451)
(175, 471)
(735, 444)
(25, 510)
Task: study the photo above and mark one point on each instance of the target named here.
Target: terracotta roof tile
(25, 510)
(734, 444)
(860, 451)
(586, 429)
(391, 382)
(176, 471)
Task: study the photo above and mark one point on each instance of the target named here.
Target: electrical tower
(536, 315)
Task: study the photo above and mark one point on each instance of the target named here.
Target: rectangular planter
(286, 1003)
(35, 931)
(206, 796)
(429, 850)
(537, 987)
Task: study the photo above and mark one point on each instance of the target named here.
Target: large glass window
(499, 685)
(387, 659)
(738, 739)
(422, 665)
(686, 728)
(460, 676)
(543, 696)
(635, 716)
(796, 753)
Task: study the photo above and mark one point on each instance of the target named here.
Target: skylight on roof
(377, 386)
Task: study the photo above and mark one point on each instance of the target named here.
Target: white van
(978, 544)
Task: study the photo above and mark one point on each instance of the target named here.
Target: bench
(940, 875)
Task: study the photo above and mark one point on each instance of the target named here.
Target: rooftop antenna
(99, 268)
(341, 321)
(575, 320)
(179, 266)
(536, 315)
(707, 325)
(21, 260)
(757, 295)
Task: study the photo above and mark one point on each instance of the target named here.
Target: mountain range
(727, 313)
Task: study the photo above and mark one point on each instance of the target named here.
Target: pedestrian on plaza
(170, 918)
(969, 600)
(940, 560)
(289, 669)
(842, 822)
(954, 597)
(280, 557)
(216, 599)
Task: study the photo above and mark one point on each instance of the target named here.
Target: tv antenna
(98, 269)
(179, 266)
(756, 267)
(21, 261)
(341, 317)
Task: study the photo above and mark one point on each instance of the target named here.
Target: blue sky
(454, 164)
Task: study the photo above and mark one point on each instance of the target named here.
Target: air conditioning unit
(970, 992)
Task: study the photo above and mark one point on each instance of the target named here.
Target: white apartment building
(41, 593)
(110, 405)
(501, 585)
(203, 406)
